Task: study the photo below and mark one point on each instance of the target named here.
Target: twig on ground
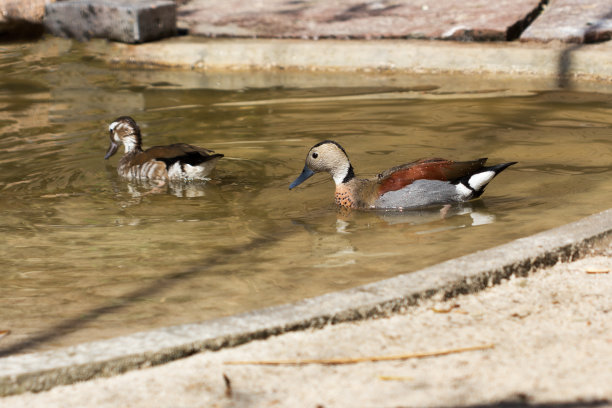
(228, 386)
(394, 378)
(337, 361)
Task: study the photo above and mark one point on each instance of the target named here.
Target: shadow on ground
(565, 61)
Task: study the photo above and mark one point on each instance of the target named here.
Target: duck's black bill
(306, 174)
(112, 149)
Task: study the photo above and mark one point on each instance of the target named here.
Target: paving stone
(576, 21)
(22, 18)
(482, 20)
(126, 21)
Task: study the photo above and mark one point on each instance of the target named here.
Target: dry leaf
(447, 310)
(596, 270)
(394, 378)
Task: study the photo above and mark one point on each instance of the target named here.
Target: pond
(86, 255)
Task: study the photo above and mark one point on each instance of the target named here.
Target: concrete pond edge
(570, 64)
(467, 274)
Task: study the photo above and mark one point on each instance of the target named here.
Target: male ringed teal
(421, 183)
(177, 161)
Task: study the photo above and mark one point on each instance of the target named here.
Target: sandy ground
(551, 331)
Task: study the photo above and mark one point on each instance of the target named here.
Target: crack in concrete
(516, 30)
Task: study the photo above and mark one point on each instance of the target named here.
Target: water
(86, 255)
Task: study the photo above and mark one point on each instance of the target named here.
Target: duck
(178, 161)
(421, 183)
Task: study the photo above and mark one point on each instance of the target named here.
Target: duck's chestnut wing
(429, 169)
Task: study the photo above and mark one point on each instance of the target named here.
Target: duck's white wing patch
(195, 172)
(463, 191)
(175, 171)
(479, 180)
(186, 171)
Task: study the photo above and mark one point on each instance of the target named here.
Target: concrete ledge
(553, 60)
(126, 21)
(42, 371)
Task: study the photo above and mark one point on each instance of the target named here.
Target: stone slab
(480, 20)
(134, 21)
(575, 21)
(27, 10)
(22, 18)
(467, 274)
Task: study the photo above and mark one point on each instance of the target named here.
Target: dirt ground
(551, 338)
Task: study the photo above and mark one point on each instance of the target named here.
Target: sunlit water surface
(87, 255)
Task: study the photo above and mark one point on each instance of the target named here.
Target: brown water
(86, 255)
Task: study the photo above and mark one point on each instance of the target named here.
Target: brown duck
(177, 161)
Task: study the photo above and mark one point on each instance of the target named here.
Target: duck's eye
(315, 155)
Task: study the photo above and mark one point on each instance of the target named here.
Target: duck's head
(326, 156)
(123, 130)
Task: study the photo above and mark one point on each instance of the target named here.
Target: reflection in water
(111, 257)
(187, 189)
(336, 250)
(466, 214)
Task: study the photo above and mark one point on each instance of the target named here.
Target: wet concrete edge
(591, 62)
(467, 274)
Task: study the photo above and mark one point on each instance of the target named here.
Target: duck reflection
(138, 189)
(339, 240)
(187, 189)
(453, 216)
(450, 216)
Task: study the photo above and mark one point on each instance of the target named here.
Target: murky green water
(86, 255)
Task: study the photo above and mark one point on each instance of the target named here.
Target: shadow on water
(68, 326)
(136, 190)
(226, 256)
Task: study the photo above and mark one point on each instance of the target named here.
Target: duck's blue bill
(306, 174)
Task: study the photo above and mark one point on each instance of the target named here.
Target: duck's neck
(132, 144)
(343, 173)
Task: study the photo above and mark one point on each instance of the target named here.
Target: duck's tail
(477, 182)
